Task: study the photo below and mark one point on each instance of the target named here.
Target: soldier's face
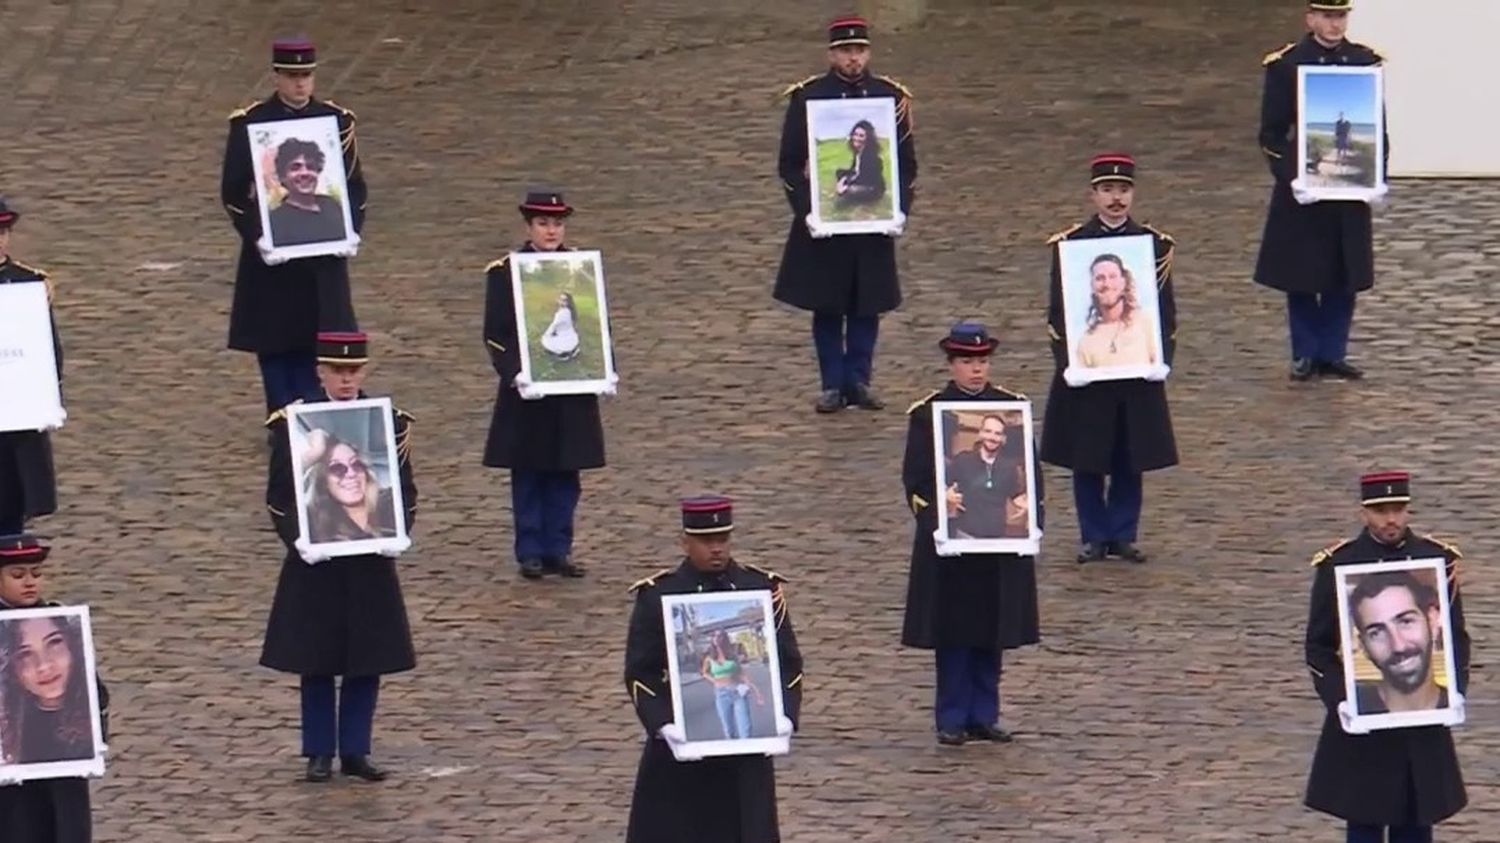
(850, 60)
(342, 383)
(708, 552)
(21, 585)
(971, 373)
(1328, 27)
(1397, 636)
(4, 241)
(300, 177)
(294, 86)
(1112, 199)
(1386, 521)
(546, 233)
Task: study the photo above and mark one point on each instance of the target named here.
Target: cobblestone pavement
(1167, 702)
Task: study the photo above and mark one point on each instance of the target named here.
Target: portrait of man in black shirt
(982, 482)
(304, 215)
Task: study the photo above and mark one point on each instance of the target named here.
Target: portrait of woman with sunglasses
(345, 499)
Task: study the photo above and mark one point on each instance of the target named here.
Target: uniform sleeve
(500, 323)
(1278, 110)
(281, 494)
(1057, 322)
(1167, 299)
(1323, 658)
(236, 184)
(793, 158)
(354, 171)
(1461, 642)
(906, 153)
(918, 474)
(408, 479)
(57, 349)
(1041, 492)
(646, 663)
(103, 692)
(790, 657)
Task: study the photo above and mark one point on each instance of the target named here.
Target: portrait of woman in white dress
(561, 337)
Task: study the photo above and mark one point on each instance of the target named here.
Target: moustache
(1403, 656)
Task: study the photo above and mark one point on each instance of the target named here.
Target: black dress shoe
(952, 738)
(1302, 369)
(567, 567)
(1127, 551)
(830, 401)
(533, 569)
(994, 734)
(320, 768)
(865, 398)
(1341, 369)
(360, 767)
(1091, 552)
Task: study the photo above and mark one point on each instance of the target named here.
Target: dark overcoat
(850, 273)
(983, 600)
(344, 616)
(52, 810)
(26, 467)
(1324, 247)
(1083, 423)
(556, 433)
(1392, 776)
(727, 799)
(282, 308)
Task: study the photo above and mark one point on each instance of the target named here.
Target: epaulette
(920, 401)
(1451, 548)
(243, 110)
(646, 582)
(41, 275)
(402, 414)
(495, 264)
(1020, 396)
(1063, 235)
(1163, 263)
(279, 414)
(1275, 55)
(342, 110)
(1322, 556)
(769, 574)
(1158, 232)
(403, 442)
(797, 86)
(905, 91)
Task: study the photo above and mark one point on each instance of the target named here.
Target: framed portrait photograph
(348, 476)
(49, 695)
(725, 671)
(562, 318)
(1397, 633)
(852, 165)
(1112, 308)
(986, 481)
(28, 360)
(1341, 131)
(301, 189)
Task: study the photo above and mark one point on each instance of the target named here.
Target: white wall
(1442, 102)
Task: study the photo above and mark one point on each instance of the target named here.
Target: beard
(1408, 680)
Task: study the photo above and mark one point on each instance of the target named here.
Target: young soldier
(1321, 254)
(336, 617)
(1109, 432)
(971, 608)
(1404, 779)
(279, 309)
(41, 810)
(849, 280)
(680, 795)
(545, 442)
(28, 485)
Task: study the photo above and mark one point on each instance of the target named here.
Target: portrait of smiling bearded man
(1398, 620)
(304, 215)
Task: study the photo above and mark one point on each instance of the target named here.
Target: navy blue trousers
(1399, 834)
(543, 503)
(338, 722)
(1110, 514)
(845, 361)
(1319, 324)
(968, 688)
(288, 376)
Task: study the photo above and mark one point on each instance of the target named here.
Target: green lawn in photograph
(541, 284)
(1357, 170)
(833, 155)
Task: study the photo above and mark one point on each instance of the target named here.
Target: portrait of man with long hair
(1118, 331)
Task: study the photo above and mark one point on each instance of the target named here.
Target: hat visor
(707, 531)
(9, 218)
(1113, 177)
(24, 556)
(973, 349)
(1385, 499)
(844, 42)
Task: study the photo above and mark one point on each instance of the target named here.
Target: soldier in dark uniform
(1321, 254)
(1406, 779)
(848, 279)
(969, 609)
(41, 810)
(544, 441)
(28, 484)
(679, 796)
(336, 617)
(1110, 432)
(279, 309)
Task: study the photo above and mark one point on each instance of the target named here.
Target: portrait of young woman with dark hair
(44, 692)
(864, 181)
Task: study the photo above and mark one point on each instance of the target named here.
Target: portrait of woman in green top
(724, 666)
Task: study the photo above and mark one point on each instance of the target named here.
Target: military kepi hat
(848, 30)
(22, 549)
(707, 515)
(1330, 5)
(968, 339)
(293, 54)
(1384, 487)
(545, 203)
(1112, 166)
(8, 215)
(343, 348)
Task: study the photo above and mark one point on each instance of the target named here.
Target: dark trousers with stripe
(288, 376)
(1319, 325)
(968, 688)
(543, 503)
(338, 720)
(846, 359)
(1112, 513)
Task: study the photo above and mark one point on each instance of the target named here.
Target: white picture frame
(286, 233)
(25, 754)
(996, 524)
(1335, 164)
(364, 430)
(1101, 348)
(747, 619)
(1363, 680)
(562, 322)
(846, 197)
(28, 360)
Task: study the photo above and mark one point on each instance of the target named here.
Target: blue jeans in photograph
(734, 712)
